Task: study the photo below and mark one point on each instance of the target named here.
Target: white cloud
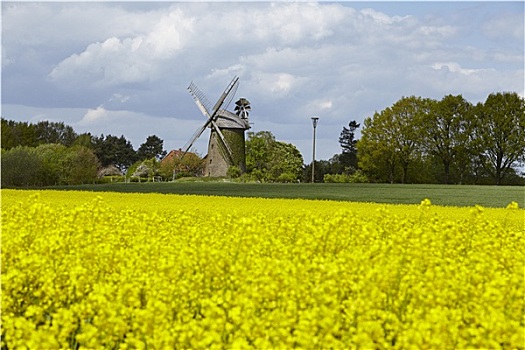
(455, 67)
(100, 114)
(119, 98)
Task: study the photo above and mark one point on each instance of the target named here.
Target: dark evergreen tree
(31, 135)
(153, 147)
(18, 134)
(348, 157)
(113, 150)
(51, 132)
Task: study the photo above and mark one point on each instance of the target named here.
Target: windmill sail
(204, 106)
(200, 100)
(226, 97)
(194, 138)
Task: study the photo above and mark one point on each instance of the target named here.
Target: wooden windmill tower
(226, 146)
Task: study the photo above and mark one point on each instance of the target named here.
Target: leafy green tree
(153, 147)
(447, 132)
(21, 167)
(84, 140)
(63, 165)
(376, 148)
(393, 137)
(234, 172)
(500, 129)
(271, 160)
(83, 166)
(286, 164)
(54, 158)
(407, 114)
(259, 150)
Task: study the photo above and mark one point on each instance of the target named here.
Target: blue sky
(123, 67)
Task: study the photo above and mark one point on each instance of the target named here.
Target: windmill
(227, 142)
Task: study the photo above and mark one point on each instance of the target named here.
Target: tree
(148, 168)
(112, 150)
(322, 167)
(259, 150)
(85, 140)
(63, 165)
(176, 166)
(348, 158)
(407, 115)
(500, 128)
(83, 165)
(18, 134)
(447, 131)
(376, 149)
(31, 135)
(152, 148)
(270, 160)
(51, 132)
(8, 137)
(20, 167)
(286, 164)
(393, 137)
(54, 159)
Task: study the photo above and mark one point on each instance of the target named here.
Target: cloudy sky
(122, 68)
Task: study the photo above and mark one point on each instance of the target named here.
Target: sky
(123, 68)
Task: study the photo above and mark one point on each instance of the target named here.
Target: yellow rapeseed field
(120, 271)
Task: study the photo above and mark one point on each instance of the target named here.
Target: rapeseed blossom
(84, 270)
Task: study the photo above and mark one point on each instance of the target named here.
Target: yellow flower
(114, 270)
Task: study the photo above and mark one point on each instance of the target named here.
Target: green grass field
(450, 195)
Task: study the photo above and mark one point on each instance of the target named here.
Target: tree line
(51, 153)
(449, 141)
(416, 140)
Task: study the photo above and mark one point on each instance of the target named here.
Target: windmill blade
(200, 99)
(230, 95)
(204, 106)
(194, 138)
(227, 96)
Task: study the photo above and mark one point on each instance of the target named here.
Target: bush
(287, 177)
(356, 177)
(21, 166)
(234, 172)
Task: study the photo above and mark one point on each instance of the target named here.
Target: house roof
(175, 153)
(172, 154)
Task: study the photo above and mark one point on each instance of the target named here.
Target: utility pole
(315, 120)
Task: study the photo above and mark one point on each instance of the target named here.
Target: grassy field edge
(447, 195)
